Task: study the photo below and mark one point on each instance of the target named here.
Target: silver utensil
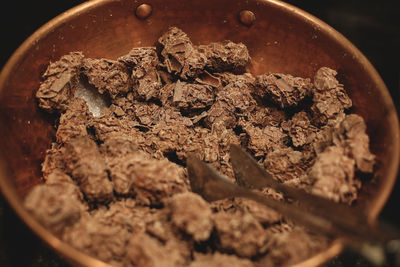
(375, 241)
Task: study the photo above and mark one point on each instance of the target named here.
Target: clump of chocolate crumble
(115, 182)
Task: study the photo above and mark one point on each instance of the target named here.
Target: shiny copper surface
(281, 39)
(143, 11)
(246, 17)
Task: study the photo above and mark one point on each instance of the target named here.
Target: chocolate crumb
(220, 260)
(60, 81)
(107, 76)
(282, 89)
(329, 97)
(197, 221)
(180, 56)
(57, 203)
(86, 165)
(225, 56)
(146, 80)
(241, 234)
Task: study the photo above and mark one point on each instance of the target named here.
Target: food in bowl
(115, 183)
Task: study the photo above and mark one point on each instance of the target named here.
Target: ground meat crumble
(116, 187)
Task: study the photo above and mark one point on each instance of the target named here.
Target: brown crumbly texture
(110, 126)
(118, 146)
(97, 239)
(146, 114)
(291, 247)
(123, 171)
(125, 213)
(116, 186)
(57, 203)
(170, 235)
(60, 81)
(149, 180)
(300, 129)
(221, 113)
(180, 56)
(171, 132)
(192, 96)
(353, 137)
(209, 145)
(266, 139)
(220, 260)
(240, 233)
(144, 250)
(197, 221)
(146, 80)
(54, 160)
(233, 100)
(287, 164)
(105, 232)
(282, 89)
(225, 56)
(122, 106)
(107, 76)
(73, 122)
(86, 165)
(330, 99)
(263, 116)
(333, 175)
(263, 214)
(207, 78)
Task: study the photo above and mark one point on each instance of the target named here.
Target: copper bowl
(282, 38)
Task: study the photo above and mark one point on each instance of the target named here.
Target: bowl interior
(282, 39)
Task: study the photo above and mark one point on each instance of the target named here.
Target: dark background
(373, 26)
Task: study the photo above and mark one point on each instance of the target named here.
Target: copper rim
(79, 258)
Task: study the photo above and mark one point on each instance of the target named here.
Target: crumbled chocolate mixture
(180, 57)
(53, 160)
(98, 239)
(329, 97)
(263, 214)
(149, 180)
(107, 76)
(290, 247)
(264, 116)
(146, 113)
(125, 213)
(118, 146)
(146, 80)
(144, 250)
(110, 126)
(225, 56)
(233, 100)
(286, 164)
(220, 260)
(197, 221)
(283, 89)
(240, 233)
(333, 175)
(86, 165)
(300, 129)
(192, 96)
(115, 180)
(60, 80)
(57, 203)
(353, 138)
(73, 121)
(262, 140)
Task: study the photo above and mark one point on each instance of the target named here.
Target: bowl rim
(81, 259)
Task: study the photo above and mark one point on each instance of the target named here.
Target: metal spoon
(375, 243)
(212, 186)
